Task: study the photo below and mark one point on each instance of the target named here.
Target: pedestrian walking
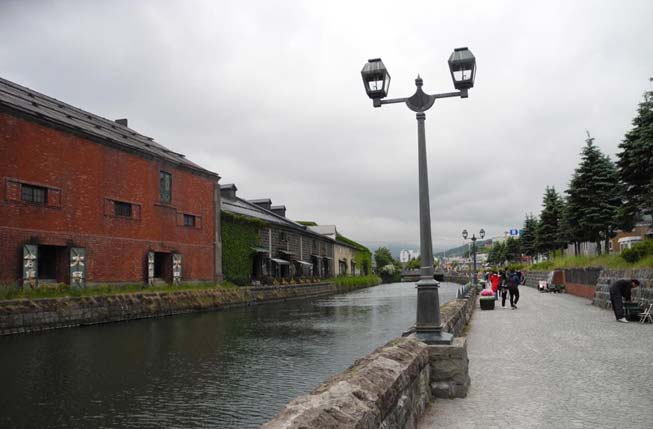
(503, 286)
(513, 288)
(494, 281)
(619, 291)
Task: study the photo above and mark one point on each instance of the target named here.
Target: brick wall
(87, 175)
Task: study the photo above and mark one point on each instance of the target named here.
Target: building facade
(88, 200)
(278, 249)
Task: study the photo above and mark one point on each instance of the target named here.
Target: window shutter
(176, 268)
(12, 191)
(109, 209)
(180, 219)
(78, 267)
(198, 222)
(54, 197)
(30, 265)
(136, 211)
(150, 268)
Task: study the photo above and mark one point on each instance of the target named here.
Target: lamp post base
(434, 337)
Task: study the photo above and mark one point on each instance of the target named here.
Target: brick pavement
(556, 362)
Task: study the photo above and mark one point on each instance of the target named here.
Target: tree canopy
(635, 163)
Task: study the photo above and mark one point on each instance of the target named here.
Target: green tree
(497, 254)
(528, 236)
(383, 257)
(547, 237)
(593, 198)
(512, 249)
(414, 264)
(635, 165)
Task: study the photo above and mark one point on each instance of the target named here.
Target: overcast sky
(268, 94)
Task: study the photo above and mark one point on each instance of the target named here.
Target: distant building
(346, 253)
(87, 200)
(406, 256)
(262, 245)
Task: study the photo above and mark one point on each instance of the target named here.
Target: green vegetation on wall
(239, 235)
(363, 257)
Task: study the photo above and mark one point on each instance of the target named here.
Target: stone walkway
(556, 362)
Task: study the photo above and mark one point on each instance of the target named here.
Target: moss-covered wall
(239, 235)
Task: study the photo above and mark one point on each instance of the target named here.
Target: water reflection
(234, 368)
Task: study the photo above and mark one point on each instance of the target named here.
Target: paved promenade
(555, 362)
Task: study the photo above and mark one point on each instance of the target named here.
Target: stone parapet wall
(533, 278)
(390, 387)
(607, 277)
(456, 313)
(594, 283)
(32, 315)
(460, 278)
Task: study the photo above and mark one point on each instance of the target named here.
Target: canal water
(228, 369)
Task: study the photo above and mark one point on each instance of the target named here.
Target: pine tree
(497, 254)
(512, 249)
(528, 236)
(635, 164)
(593, 197)
(547, 235)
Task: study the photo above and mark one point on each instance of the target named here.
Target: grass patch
(59, 290)
(604, 261)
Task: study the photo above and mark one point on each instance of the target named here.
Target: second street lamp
(481, 234)
(462, 65)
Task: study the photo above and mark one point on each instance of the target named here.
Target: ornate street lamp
(462, 66)
(481, 234)
(376, 79)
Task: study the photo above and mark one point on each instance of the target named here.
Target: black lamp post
(462, 65)
(481, 234)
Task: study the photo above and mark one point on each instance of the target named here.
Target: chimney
(228, 191)
(280, 210)
(265, 203)
(121, 122)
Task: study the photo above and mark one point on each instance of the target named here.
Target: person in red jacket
(494, 281)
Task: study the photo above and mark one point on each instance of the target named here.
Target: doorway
(52, 264)
(162, 267)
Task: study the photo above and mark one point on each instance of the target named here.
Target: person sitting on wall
(618, 291)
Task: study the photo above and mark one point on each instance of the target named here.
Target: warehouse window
(165, 187)
(34, 194)
(189, 220)
(122, 209)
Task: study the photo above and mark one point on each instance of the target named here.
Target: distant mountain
(460, 250)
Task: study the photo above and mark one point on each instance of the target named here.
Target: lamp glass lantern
(462, 65)
(482, 233)
(465, 234)
(376, 79)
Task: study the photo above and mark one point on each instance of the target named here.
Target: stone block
(441, 389)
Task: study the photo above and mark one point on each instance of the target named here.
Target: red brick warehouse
(88, 200)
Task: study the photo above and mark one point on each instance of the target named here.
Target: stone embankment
(32, 315)
(594, 283)
(392, 386)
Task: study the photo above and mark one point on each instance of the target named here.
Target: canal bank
(41, 314)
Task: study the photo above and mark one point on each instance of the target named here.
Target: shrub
(638, 251)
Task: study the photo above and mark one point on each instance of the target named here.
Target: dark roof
(247, 208)
(32, 103)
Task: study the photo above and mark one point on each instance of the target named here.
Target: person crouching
(618, 291)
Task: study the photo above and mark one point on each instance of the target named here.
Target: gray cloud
(268, 94)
